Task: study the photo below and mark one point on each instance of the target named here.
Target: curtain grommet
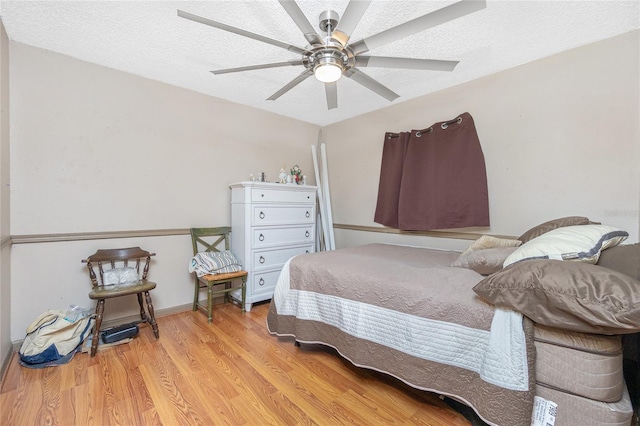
(420, 132)
(446, 124)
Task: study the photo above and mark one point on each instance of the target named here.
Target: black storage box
(120, 332)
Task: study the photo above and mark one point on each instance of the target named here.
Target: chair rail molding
(80, 236)
(53, 238)
(458, 235)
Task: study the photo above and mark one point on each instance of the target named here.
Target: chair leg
(195, 296)
(152, 315)
(244, 292)
(143, 314)
(96, 327)
(209, 303)
(225, 296)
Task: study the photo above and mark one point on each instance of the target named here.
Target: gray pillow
(569, 295)
(484, 262)
(536, 231)
(623, 258)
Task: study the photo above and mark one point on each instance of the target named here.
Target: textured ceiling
(147, 38)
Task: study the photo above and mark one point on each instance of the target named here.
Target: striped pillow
(220, 262)
(582, 243)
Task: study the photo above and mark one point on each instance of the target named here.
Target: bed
(407, 312)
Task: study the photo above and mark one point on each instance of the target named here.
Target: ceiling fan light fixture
(328, 72)
(328, 57)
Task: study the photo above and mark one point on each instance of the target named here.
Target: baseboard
(6, 359)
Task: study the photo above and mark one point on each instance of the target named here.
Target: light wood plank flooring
(230, 372)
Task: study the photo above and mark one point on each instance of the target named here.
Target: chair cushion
(108, 292)
(222, 277)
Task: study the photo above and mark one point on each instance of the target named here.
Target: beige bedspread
(379, 305)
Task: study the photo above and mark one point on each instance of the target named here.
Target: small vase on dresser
(270, 223)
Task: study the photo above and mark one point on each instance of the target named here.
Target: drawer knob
(261, 237)
(262, 259)
(306, 234)
(261, 215)
(261, 282)
(307, 214)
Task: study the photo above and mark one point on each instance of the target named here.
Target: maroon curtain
(393, 152)
(434, 179)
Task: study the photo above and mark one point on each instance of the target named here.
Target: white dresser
(270, 223)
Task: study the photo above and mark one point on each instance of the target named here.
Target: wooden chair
(103, 261)
(215, 240)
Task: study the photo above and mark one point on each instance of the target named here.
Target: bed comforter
(405, 312)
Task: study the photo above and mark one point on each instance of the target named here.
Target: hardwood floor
(229, 372)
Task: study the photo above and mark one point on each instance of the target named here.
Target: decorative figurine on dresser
(270, 223)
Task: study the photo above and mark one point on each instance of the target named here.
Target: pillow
(120, 276)
(624, 259)
(543, 228)
(581, 243)
(569, 295)
(487, 241)
(484, 262)
(219, 262)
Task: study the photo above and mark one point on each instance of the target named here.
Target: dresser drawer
(269, 237)
(264, 283)
(284, 215)
(269, 259)
(260, 195)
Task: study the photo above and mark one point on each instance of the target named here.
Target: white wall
(102, 150)
(561, 136)
(5, 247)
(94, 149)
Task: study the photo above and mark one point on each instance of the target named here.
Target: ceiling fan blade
(241, 32)
(371, 84)
(350, 18)
(259, 67)
(440, 16)
(405, 63)
(331, 89)
(293, 83)
(301, 21)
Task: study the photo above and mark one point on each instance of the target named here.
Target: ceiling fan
(331, 56)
